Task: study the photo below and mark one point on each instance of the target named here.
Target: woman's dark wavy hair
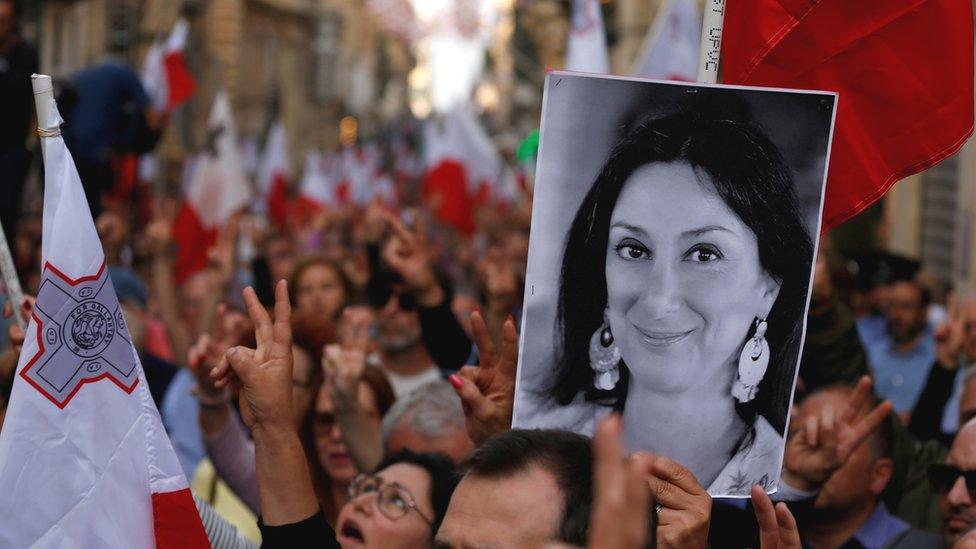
(754, 181)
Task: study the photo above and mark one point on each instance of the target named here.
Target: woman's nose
(364, 503)
(662, 294)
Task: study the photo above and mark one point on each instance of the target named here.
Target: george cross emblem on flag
(81, 336)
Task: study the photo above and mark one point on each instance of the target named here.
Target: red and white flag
(586, 50)
(316, 190)
(84, 458)
(165, 76)
(673, 43)
(461, 165)
(217, 189)
(273, 177)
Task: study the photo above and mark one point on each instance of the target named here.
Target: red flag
(904, 70)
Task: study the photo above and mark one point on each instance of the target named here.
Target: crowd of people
(350, 380)
(372, 405)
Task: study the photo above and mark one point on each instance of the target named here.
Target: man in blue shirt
(107, 111)
(848, 511)
(901, 354)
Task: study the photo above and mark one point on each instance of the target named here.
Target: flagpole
(711, 41)
(9, 271)
(43, 101)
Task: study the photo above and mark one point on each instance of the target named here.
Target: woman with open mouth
(401, 505)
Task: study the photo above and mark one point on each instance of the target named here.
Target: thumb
(240, 362)
(470, 395)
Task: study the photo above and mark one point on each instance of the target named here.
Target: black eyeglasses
(944, 477)
(393, 500)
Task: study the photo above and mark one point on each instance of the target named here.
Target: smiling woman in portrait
(682, 293)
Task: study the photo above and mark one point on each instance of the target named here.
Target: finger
(609, 468)
(677, 474)
(952, 305)
(766, 518)
(810, 429)
(471, 397)
(469, 373)
(856, 401)
(867, 425)
(828, 427)
(281, 331)
(400, 230)
(8, 309)
(360, 333)
(509, 348)
(259, 317)
(482, 340)
(789, 535)
(639, 500)
(218, 322)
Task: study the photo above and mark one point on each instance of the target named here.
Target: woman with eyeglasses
(401, 505)
(331, 466)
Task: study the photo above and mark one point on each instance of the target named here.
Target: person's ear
(769, 287)
(881, 471)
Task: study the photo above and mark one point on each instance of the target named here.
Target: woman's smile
(657, 338)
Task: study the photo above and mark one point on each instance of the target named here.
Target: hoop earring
(753, 362)
(604, 357)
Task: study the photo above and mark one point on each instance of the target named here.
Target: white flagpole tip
(44, 101)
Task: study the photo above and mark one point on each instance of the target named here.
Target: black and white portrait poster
(674, 234)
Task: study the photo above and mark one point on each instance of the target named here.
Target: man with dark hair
(522, 488)
(848, 510)
(902, 355)
(18, 60)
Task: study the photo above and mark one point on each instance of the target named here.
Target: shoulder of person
(916, 539)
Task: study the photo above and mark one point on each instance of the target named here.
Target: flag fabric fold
(903, 68)
(586, 48)
(671, 49)
(82, 443)
(273, 177)
(216, 190)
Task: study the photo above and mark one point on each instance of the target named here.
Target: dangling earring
(752, 365)
(604, 357)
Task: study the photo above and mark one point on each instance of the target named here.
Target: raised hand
(222, 257)
(620, 516)
(264, 373)
(15, 334)
(950, 337)
(685, 507)
(487, 391)
(777, 527)
(209, 350)
(406, 252)
(622, 500)
(824, 443)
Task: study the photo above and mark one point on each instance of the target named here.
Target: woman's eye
(399, 502)
(704, 255)
(632, 251)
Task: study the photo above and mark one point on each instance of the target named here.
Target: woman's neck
(701, 429)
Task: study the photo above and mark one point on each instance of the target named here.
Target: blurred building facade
(307, 62)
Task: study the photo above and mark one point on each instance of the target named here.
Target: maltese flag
(273, 177)
(316, 190)
(84, 458)
(217, 188)
(165, 76)
(586, 50)
(673, 42)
